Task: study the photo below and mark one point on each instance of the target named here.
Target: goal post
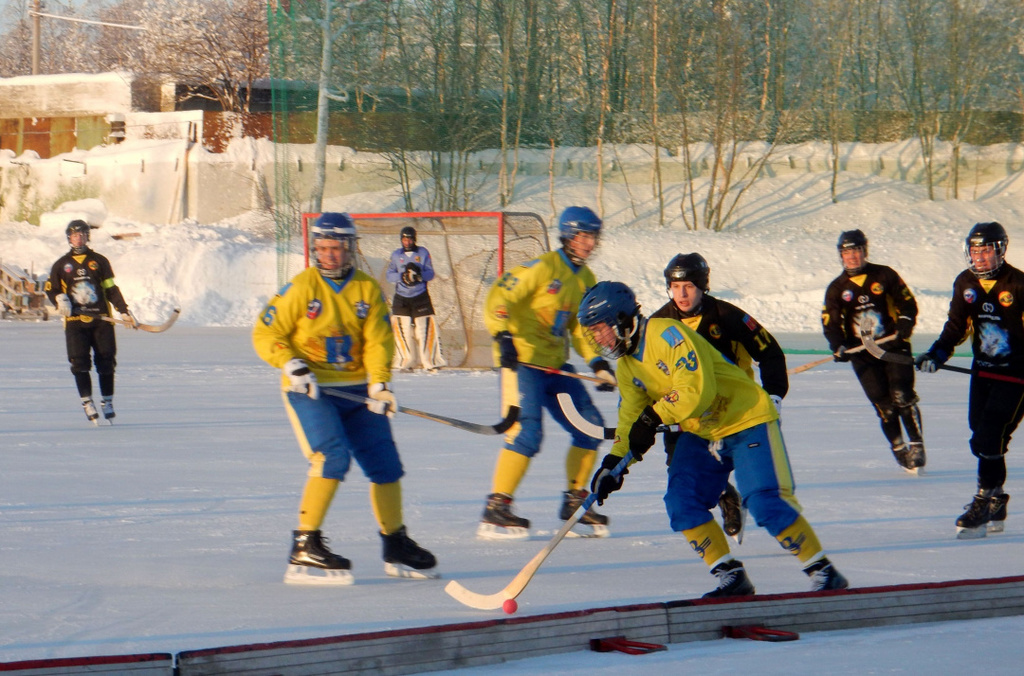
(469, 251)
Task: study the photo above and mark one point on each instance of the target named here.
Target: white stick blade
(472, 599)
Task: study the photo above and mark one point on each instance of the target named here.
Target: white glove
(129, 319)
(608, 380)
(777, 400)
(64, 305)
(382, 400)
(302, 379)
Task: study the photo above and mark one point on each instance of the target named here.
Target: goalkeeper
(412, 313)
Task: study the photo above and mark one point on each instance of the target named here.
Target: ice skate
(732, 581)
(824, 576)
(90, 410)
(499, 523)
(972, 523)
(591, 524)
(404, 558)
(107, 406)
(916, 456)
(734, 514)
(997, 512)
(901, 452)
(311, 562)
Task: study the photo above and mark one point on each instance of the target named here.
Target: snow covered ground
(169, 530)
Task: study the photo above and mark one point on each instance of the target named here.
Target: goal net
(469, 250)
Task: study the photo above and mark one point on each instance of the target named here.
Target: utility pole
(35, 37)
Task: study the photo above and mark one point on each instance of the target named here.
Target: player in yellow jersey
(667, 373)
(329, 329)
(531, 312)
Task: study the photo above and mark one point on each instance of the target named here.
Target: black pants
(890, 388)
(412, 306)
(88, 342)
(994, 410)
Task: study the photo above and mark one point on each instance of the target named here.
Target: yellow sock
(509, 471)
(386, 500)
(708, 540)
(799, 540)
(579, 463)
(316, 498)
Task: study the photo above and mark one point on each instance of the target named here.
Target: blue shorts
(696, 478)
(538, 391)
(332, 431)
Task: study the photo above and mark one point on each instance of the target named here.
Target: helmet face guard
(78, 227)
(408, 232)
(610, 317)
(334, 227)
(572, 222)
(984, 235)
(851, 240)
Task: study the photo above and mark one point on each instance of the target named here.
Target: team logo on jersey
(751, 324)
(672, 397)
(663, 367)
(362, 309)
(68, 267)
(715, 330)
(94, 266)
(847, 295)
(876, 288)
(314, 309)
(970, 295)
(673, 336)
(501, 312)
(1006, 299)
(988, 308)
(555, 286)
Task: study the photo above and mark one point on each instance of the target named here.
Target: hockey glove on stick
(64, 305)
(382, 400)
(604, 482)
(603, 371)
(302, 379)
(929, 362)
(840, 354)
(643, 432)
(508, 355)
(904, 327)
(129, 320)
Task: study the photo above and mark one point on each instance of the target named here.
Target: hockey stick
(896, 358)
(824, 360)
(570, 374)
(498, 428)
(577, 420)
(523, 577)
(151, 328)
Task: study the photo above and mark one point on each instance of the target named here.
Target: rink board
(149, 664)
(500, 640)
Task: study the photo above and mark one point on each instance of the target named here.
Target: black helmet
(81, 226)
(689, 267)
(984, 234)
(852, 239)
(410, 232)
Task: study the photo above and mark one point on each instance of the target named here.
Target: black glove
(604, 371)
(509, 356)
(643, 432)
(840, 354)
(412, 274)
(904, 327)
(604, 482)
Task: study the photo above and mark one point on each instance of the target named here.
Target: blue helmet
(577, 219)
(339, 227)
(614, 305)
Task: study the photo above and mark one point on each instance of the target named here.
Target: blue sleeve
(428, 266)
(392, 274)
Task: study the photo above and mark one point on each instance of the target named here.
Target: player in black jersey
(82, 287)
(734, 333)
(988, 302)
(873, 298)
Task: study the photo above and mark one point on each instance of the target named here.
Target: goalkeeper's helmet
(336, 227)
(852, 239)
(984, 235)
(610, 317)
(573, 221)
(81, 227)
(689, 267)
(408, 232)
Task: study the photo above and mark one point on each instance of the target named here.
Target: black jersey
(993, 311)
(88, 280)
(739, 338)
(875, 297)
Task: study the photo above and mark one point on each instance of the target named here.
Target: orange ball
(510, 606)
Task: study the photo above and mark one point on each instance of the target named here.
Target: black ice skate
(311, 562)
(972, 523)
(824, 576)
(499, 523)
(732, 580)
(916, 457)
(90, 410)
(591, 524)
(902, 455)
(997, 512)
(404, 558)
(107, 406)
(734, 514)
